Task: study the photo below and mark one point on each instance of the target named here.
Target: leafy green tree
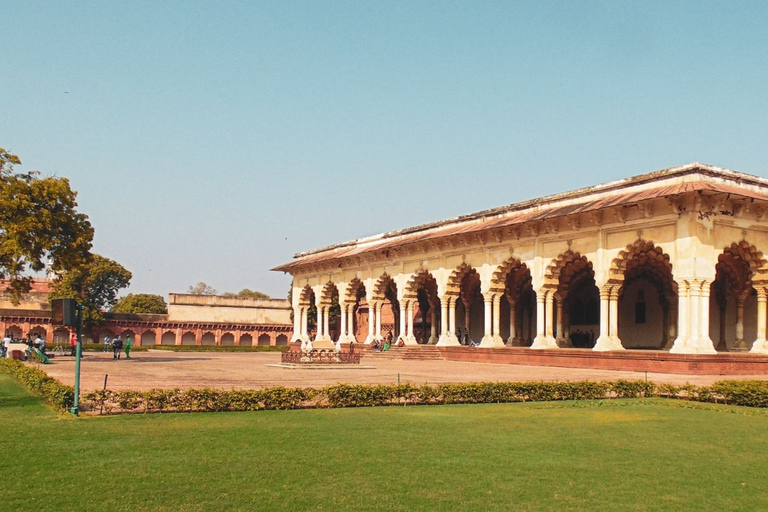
(201, 289)
(95, 285)
(247, 294)
(39, 225)
(141, 303)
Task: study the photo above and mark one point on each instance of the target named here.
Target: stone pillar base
(490, 341)
(512, 342)
(607, 344)
(690, 346)
(410, 340)
(759, 347)
(432, 340)
(447, 340)
(542, 342)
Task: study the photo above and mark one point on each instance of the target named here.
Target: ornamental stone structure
(671, 260)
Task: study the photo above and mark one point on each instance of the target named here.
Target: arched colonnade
(638, 302)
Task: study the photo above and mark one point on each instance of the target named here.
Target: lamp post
(69, 312)
(78, 355)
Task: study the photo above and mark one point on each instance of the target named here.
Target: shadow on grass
(18, 401)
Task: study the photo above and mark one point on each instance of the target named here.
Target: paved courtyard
(226, 370)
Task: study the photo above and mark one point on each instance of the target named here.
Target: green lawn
(615, 455)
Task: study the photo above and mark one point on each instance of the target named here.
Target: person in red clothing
(73, 344)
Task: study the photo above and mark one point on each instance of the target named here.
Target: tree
(39, 225)
(247, 294)
(201, 289)
(141, 303)
(95, 285)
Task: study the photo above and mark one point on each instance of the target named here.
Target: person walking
(107, 341)
(128, 345)
(117, 347)
(73, 344)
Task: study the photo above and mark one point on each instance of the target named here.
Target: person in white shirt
(6, 344)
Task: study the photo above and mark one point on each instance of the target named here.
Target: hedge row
(219, 348)
(747, 393)
(39, 383)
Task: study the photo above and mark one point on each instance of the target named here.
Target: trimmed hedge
(39, 383)
(750, 393)
(747, 393)
(219, 348)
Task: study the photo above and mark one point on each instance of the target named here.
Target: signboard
(64, 312)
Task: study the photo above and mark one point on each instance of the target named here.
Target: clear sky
(210, 141)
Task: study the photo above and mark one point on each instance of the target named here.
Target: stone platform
(655, 361)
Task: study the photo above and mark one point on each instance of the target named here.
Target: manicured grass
(613, 455)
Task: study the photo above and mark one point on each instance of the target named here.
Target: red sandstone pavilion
(191, 320)
(665, 268)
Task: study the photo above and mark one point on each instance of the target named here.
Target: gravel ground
(226, 370)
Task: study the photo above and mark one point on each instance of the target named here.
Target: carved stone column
(326, 321)
(760, 346)
(613, 318)
(704, 338)
(447, 320)
(604, 342)
(491, 337)
(739, 344)
(542, 341)
(371, 323)
(694, 306)
(681, 342)
(377, 306)
(512, 321)
(402, 335)
(296, 324)
(319, 323)
(343, 323)
(452, 319)
(410, 339)
(432, 325)
(559, 336)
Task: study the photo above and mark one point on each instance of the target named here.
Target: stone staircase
(420, 353)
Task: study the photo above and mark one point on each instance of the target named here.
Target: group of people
(38, 343)
(386, 343)
(117, 346)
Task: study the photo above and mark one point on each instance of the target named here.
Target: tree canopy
(94, 284)
(201, 289)
(247, 294)
(39, 226)
(141, 303)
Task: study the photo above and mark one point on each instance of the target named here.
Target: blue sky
(210, 141)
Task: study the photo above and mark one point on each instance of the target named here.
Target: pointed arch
(305, 299)
(383, 287)
(329, 291)
(453, 286)
(499, 277)
(739, 268)
(352, 293)
(647, 295)
(640, 254)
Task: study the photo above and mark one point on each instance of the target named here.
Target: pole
(78, 354)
